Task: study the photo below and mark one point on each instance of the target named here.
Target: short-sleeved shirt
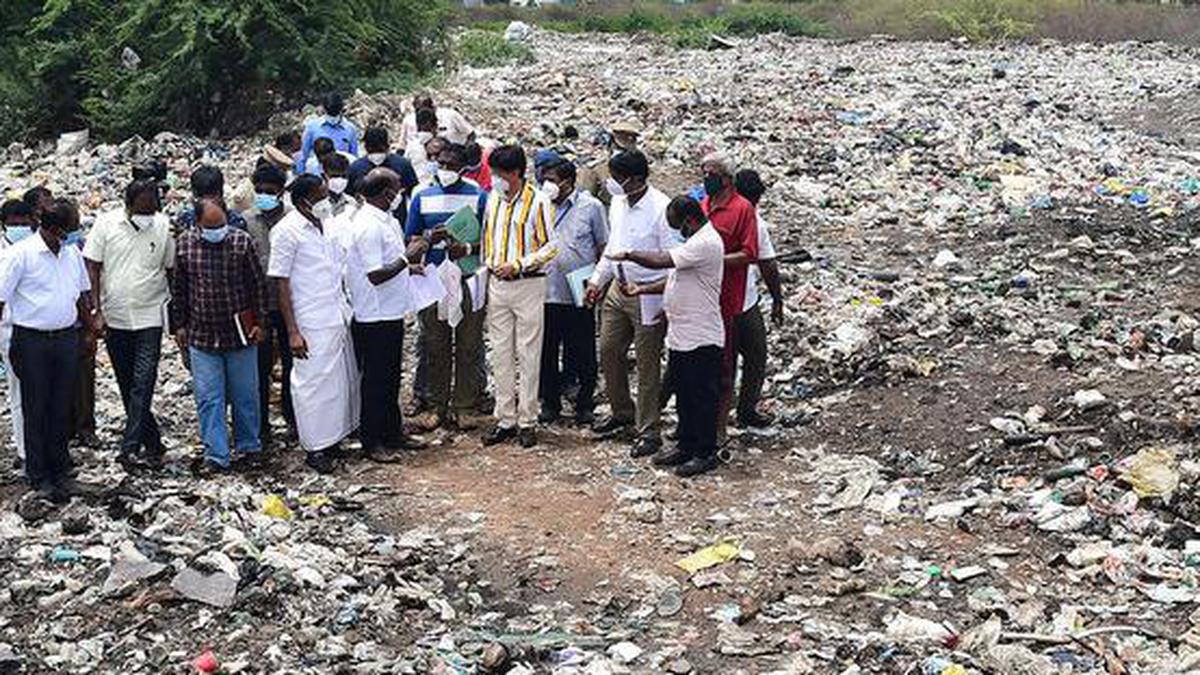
(134, 289)
(42, 288)
(692, 299)
(433, 206)
(737, 224)
(394, 161)
(312, 263)
(451, 125)
(259, 226)
(377, 241)
(766, 251)
(580, 232)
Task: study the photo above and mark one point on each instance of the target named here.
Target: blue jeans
(220, 378)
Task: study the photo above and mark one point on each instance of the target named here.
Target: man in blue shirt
(430, 209)
(581, 233)
(333, 126)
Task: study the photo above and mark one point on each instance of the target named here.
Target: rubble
(986, 385)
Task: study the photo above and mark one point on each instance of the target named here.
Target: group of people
(314, 263)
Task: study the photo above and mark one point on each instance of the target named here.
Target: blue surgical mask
(266, 202)
(214, 235)
(15, 233)
(74, 239)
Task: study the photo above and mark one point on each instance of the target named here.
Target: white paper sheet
(424, 290)
(477, 284)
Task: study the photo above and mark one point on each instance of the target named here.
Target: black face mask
(713, 185)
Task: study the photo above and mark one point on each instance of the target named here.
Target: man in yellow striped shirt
(517, 225)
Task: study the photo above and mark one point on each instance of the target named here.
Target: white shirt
(766, 251)
(451, 125)
(41, 288)
(642, 227)
(312, 263)
(692, 299)
(133, 281)
(377, 242)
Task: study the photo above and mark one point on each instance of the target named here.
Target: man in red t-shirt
(735, 220)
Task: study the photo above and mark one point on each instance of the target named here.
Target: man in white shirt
(451, 125)
(17, 217)
(307, 268)
(44, 284)
(129, 254)
(695, 331)
(377, 265)
(637, 221)
(752, 332)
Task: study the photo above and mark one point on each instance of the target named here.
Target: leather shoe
(498, 434)
(755, 420)
(696, 466)
(672, 457)
(548, 416)
(527, 437)
(407, 442)
(381, 455)
(319, 461)
(645, 446)
(610, 425)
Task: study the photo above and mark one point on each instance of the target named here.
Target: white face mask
(338, 185)
(500, 186)
(396, 201)
(377, 158)
(550, 190)
(614, 188)
(142, 222)
(322, 209)
(447, 177)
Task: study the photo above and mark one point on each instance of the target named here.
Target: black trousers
(752, 347)
(571, 331)
(696, 379)
(379, 347)
(276, 345)
(48, 367)
(134, 355)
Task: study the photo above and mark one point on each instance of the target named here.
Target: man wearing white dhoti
(307, 266)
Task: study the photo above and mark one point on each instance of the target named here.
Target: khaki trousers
(515, 319)
(621, 325)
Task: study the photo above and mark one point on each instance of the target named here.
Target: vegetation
(139, 66)
(481, 48)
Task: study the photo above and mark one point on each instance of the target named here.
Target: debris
(217, 589)
(710, 556)
(1152, 472)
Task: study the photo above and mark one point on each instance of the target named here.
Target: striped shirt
(515, 231)
(435, 204)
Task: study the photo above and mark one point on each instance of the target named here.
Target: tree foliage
(139, 66)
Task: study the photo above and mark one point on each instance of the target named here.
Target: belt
(47, 333)
(522, 275)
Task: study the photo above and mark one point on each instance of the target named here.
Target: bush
(140, 66)
(482, 49)
(986, 20)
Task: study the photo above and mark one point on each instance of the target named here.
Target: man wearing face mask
(695, 330)
(375, 260)
(307, 267)
(17, 218)
(621, 137)
(207, 182)
(261, 219)
(581, 233)
(335, 168)
(219, 285)
(379, 153)
(455, 354)
(45, 286)
(637, 220)
(331, 125)
(518, 225)
(129, 255)
(735, 220)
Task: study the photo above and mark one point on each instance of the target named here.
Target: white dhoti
(14, 394)
(325, 388)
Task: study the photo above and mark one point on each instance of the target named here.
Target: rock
(624, 652)
(129, 568)
(947, 261)
(217, 589)
(1088, 399)
(833, 550)
(647, 512)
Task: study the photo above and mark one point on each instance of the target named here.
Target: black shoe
(645, 446)
(50, 491)
(382, 455)
(672, 457)
(696, 466)
(61, 490)
(548, 416)
(498, 434)
(610, 425)
(527, 437)
(585, 417)
(209, 469)
(319, 461)
(249, 461)
(336, 453)
(755, 419)
(407, 442)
